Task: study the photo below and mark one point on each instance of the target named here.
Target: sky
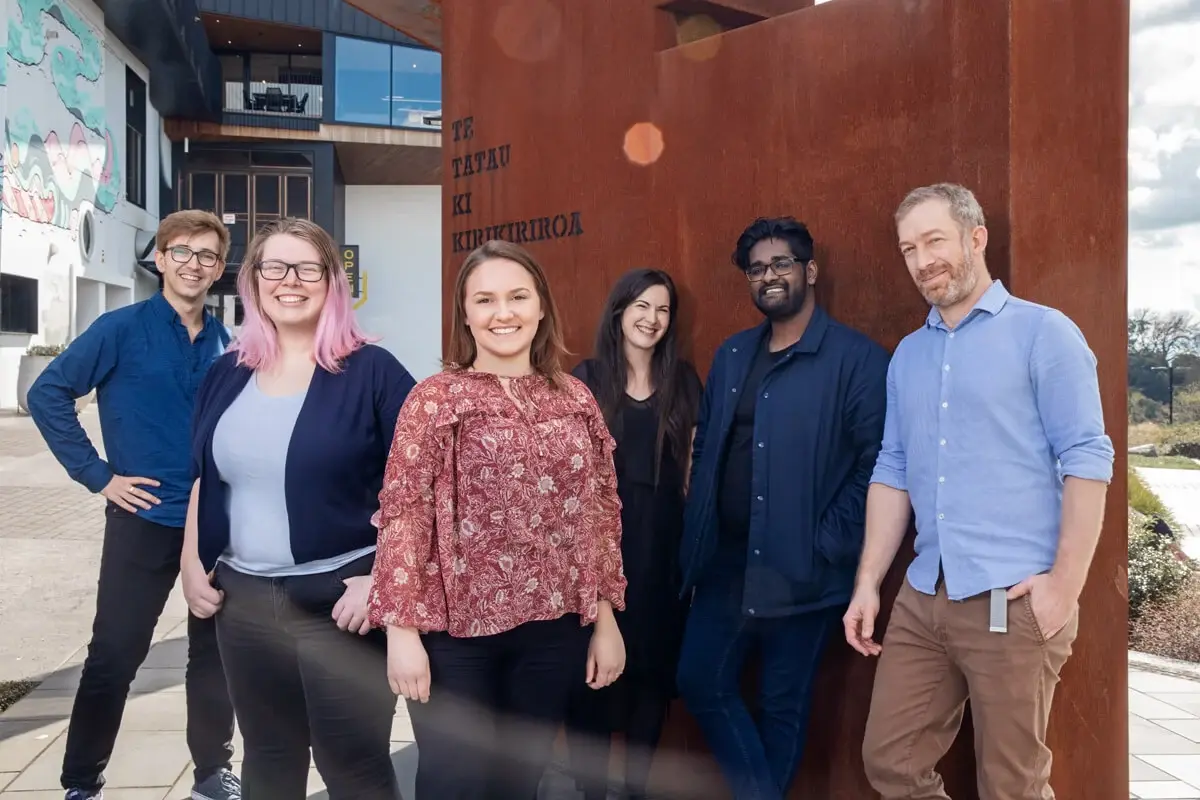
(1164, 155)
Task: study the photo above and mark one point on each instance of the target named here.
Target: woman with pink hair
(290, 439)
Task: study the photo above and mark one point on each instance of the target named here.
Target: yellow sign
(354, 274)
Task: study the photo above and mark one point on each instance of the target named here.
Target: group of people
(516, 544)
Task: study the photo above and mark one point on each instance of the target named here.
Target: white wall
(64, 161)
(398, 230)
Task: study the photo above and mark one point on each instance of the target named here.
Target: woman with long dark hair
(649, 397)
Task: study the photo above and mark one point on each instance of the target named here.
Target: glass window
(416, 88)
(362, 81)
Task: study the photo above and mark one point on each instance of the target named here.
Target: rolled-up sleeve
(1067, 392)
(891, 466)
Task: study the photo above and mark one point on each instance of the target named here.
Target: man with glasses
(789, 428)
(146, 362)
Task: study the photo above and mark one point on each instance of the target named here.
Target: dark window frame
(19, 298)
(136, 118)
(332, 100)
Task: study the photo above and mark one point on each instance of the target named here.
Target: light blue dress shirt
(983, 424)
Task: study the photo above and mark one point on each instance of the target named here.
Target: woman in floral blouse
(499, 555)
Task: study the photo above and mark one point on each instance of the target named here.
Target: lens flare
(643, 143)
(528, 30)
(700, 33)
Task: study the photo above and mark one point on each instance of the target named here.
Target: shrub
(45, 349)
(1146, 433)
(1182, 440)
(1144, 501)
(1158, 570)
(1168, 629)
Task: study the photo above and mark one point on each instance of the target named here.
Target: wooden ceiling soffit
(179, 129)
(420, 19)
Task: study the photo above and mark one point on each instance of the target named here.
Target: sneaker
(221, 785)
(84, 794)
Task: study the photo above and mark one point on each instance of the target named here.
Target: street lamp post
(1170, 370)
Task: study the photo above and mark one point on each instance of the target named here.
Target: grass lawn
(1162, 462)
(12, 691)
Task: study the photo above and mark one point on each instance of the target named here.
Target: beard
(960, 282)
(780, 306)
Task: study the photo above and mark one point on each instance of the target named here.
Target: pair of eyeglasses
(306, 271)
(780, 266)
(182, 254)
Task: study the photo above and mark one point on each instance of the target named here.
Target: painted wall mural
(59, 153)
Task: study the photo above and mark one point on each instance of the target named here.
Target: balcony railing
(292, 106)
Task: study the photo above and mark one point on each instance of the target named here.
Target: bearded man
(995, 439)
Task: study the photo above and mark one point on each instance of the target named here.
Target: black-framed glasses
(780, 266)
(307, 271)
(182, 254)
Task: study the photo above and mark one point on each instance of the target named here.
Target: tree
(1157, 339)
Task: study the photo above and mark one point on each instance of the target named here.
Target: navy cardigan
(335, 460)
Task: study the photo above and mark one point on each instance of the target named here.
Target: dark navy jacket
(335, 460)
(145, 370)
(818, 423)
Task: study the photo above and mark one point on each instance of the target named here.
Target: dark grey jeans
(298, 682)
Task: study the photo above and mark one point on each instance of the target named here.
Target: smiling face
(190, 264)
(944, 260)
(644, 322)
(502, 311)
(286, 299)
(779, 297)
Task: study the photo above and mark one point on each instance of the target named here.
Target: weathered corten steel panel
(585, 131)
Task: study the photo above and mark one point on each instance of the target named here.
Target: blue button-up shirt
(146, 371)
(984, 422)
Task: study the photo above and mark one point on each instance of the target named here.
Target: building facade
(118, 112)
(84, 162)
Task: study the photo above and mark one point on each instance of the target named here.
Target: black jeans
(298, 682)
(138, 568)
(495, 706)
(633, 705)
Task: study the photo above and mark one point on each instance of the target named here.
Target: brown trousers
(937, 654)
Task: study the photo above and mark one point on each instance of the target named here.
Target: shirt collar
(166, 312)
(814, 332)
(991, 302)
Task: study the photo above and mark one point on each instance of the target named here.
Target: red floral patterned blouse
(494, 514)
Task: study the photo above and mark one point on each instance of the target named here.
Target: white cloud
(1164, 155)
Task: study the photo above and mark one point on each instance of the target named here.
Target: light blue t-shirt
(250, 449)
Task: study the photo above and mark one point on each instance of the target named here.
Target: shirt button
(760, 497)
(951, 335)
(756, 552)
(942, 442)
(752, 612)
(766, 395)
(760, 444)
(735, 390)
(946, 367)
(941, 479)
(735, 349)
(941, 516)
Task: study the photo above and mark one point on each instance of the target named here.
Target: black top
(651, 527)
(733, 501)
